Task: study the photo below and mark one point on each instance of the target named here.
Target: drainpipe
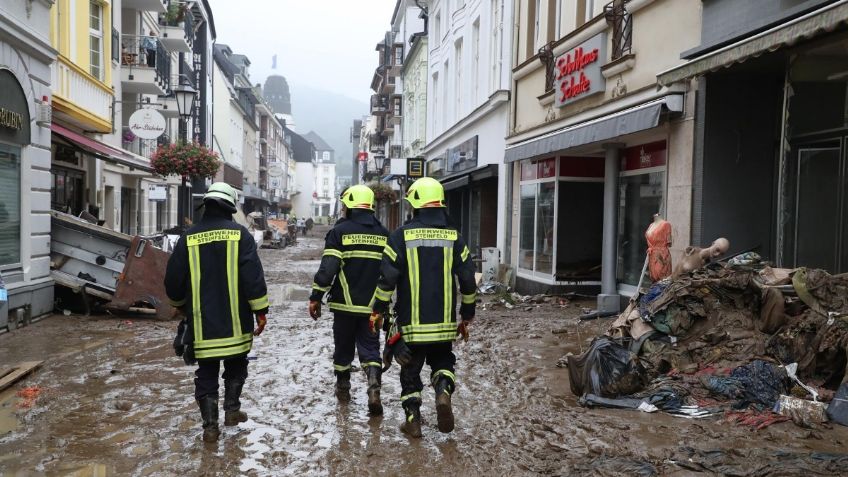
(608, 300)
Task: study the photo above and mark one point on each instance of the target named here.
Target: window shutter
(10, 204)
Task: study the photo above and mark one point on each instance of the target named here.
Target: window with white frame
(475, 60)
(457, 89)
(95, 39)
(445, 87)
(436, 111)
(558, 21)
(537, 27)
(495, 46)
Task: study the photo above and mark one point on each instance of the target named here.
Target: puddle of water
(8, 420)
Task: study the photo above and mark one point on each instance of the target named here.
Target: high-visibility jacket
(425, 260)
(215, 276)
(350, 263)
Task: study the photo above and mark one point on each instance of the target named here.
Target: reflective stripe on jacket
(425, 260)
(215, 275)
(350, 263)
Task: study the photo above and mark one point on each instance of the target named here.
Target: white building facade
(468, 86)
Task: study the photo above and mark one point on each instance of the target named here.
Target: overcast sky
(326, 44)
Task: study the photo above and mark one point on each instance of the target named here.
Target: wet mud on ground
(115, 401)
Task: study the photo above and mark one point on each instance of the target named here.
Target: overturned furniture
(121, 272)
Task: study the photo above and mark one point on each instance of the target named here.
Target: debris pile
(741, 336)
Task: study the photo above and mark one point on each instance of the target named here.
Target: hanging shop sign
(14, 111)
(362, 156)
(644, 156)
(157, 192)
(578, 71)
(463, 156)
(415, 167)
(275, 169)
(147, 124)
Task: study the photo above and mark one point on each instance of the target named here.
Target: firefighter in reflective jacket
(215, 277)
(425, 260)
(349, 269)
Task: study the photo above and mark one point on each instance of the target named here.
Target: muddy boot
(343, 386)
(412, 425)
(209, 412)
(232, 405)
(375, 407)
(444, 412)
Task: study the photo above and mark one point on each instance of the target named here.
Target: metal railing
(621, 22)
(147, 52)
(546, 56)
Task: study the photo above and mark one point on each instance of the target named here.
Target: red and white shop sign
(578, 71)
(644, 156)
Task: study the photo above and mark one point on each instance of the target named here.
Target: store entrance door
(818, 180)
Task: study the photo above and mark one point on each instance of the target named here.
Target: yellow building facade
(81, 33)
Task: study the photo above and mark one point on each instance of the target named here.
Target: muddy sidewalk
(115, 401)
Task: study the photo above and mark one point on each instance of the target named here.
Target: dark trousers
(206, 376)
(351, 333)
(440, 358)
(151, 58)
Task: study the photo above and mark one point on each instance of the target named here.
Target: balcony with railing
(145, 65)
(379, 104)
(74, 89)
(247, 102)
(155, 6)
(177, 29)
(621, 22)
(142, 147)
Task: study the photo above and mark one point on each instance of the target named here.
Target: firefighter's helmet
(358, 197)
(426, 192)
(223, 194)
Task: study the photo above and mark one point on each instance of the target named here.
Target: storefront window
(545, 227)
(527, 226)
(641, 196)
(10, 204)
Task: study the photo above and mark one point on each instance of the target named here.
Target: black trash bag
(837, 410)
(606, 369)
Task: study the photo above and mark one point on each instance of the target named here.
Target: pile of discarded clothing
(737, 336)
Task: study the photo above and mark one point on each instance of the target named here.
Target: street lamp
(379, 161)
(185, 96)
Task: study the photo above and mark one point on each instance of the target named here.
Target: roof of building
(302, 149)
(318, 141)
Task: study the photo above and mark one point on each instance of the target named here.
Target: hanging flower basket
(383, 192)
(189, 160)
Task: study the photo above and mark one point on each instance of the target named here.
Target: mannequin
(696, 257)
(658, 236)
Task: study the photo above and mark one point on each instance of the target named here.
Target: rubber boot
(412, 425)
(444, 411)
(375, 407)
(232, 405)
(209, 412)
(343, 386)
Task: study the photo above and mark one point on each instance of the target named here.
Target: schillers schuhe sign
(578, 71)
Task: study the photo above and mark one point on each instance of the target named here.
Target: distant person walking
(301, 226)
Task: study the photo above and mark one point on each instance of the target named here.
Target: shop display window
(527, 223)
(640, 197)
(10, 204)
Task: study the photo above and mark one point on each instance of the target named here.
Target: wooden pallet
(9, 375)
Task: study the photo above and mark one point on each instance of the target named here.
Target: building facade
(771, 103)
(596, 146)
(324, 195)
(414, 76)
(26, 56)
(468, 95)
(302, 192)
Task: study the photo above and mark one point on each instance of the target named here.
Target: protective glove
(462, 329)
(315, 309)
(375, 322)
(261, 321)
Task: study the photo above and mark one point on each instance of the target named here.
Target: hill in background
(330, 115)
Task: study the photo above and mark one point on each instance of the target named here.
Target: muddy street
(114, 400)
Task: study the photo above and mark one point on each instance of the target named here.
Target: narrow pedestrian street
(114, 400)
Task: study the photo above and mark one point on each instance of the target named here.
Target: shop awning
(822, 20)
(101, 150)
(464, 178)
(635, 119)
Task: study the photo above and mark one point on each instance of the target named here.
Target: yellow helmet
(426, 192)
(358, 197)
(224, 194)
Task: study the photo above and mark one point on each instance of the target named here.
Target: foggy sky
(326, 44)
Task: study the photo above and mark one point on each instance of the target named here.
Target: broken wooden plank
(20, 370)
